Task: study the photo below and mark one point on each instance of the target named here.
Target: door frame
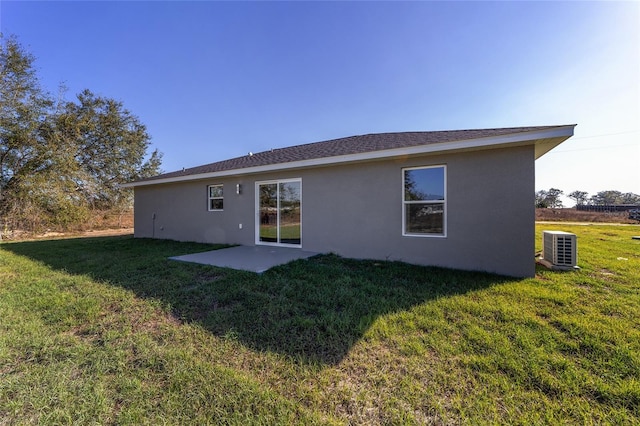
(257, 211)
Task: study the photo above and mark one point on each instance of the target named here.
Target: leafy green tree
(549, 199)
(104, 146)
(541, 197)
(580, 197)
(611, 197)
(61, 160)
(607, 198)
(24, 114)
(630, 198)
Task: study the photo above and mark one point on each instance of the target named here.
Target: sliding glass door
(279, 206)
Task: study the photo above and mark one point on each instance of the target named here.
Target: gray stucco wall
(356, 211)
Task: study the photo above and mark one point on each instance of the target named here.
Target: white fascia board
(557, 134)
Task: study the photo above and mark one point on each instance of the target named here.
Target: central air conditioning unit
(559, 250)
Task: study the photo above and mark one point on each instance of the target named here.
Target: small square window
(215, 197)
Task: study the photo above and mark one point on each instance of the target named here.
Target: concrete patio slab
(247, 258)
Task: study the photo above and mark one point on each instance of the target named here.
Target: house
(459, 199)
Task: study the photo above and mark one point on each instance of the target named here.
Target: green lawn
(108, 331)
(290, 231)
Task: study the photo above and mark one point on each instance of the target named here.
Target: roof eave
(544, 141)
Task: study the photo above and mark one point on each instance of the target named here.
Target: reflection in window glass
(290, 212)
(424, 201)
(424, 218)
(215, 197)
(268, 194)
(215, 191)
(424, 184)
(280, 212)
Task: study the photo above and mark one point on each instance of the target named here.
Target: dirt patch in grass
(54, 235)
(99, 224)
(107, 232)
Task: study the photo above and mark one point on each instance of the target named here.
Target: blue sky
(215, 80)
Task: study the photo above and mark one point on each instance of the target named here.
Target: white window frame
(210, 198)
(405, 203)
(257, 210)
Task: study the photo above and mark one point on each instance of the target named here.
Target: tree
(630, 198)
(549, 199)
(60, 160)
(105, 146)
(607, 198)
(541, 199)
(580, 197)
(24, 114)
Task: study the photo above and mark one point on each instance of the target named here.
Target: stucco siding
(181, 213)
(356, 211)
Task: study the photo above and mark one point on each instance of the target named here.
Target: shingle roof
(345, 146)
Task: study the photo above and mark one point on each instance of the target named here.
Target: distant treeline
(610, 200)
(607, 208)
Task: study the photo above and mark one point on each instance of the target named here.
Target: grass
(287, 232)
(107, 331)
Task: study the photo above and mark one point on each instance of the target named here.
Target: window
(279, 212)
(215, 197)
(424, 201)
